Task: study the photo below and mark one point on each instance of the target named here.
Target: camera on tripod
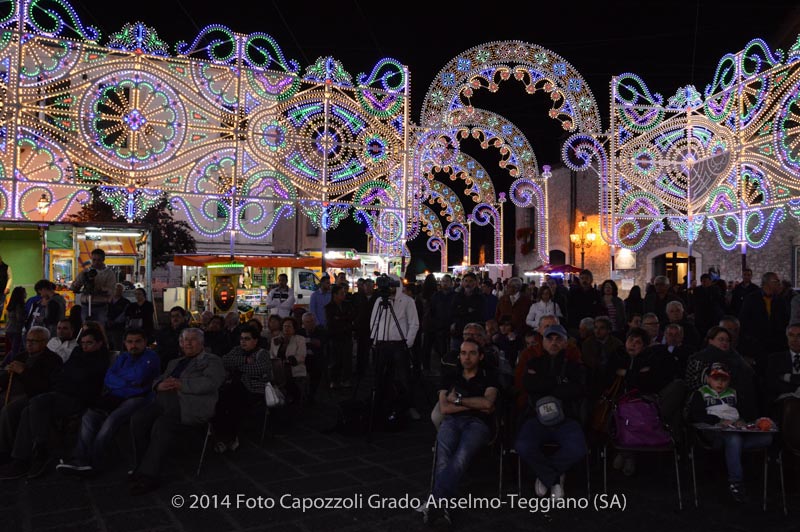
(384, 284)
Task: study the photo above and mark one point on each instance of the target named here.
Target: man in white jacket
(393, 361)
(281, 298)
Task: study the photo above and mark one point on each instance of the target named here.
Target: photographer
(96, 286)
(392, 346)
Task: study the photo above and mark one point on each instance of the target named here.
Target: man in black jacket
(167, 338)
(31, 373)
(78, 384)
(583, 300)
(764, 317)
(553, 375)
(783, 387)
(468, 306)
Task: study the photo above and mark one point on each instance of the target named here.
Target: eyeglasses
(246, 339)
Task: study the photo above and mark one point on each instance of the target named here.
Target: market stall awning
(562, 269)
(265, 262)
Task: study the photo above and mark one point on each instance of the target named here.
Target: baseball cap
(556, 329)
(719, 370)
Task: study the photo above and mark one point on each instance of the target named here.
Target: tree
(168, 236)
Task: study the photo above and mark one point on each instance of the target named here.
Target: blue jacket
(130, 377)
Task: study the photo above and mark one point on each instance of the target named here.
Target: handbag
(549, 410)
(601, 413)
(637, 423)
(273, 396)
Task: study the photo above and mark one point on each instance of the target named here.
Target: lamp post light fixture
(583, 239)
(43, 205)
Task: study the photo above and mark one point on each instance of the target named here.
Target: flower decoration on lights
(724, 159)
(200, 126)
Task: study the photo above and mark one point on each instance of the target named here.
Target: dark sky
(669, 44)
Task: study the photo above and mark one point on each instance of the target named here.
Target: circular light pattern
(135, 120)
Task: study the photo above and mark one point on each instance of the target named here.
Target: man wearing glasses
(77, 385)
(29, 374)
(560, 383)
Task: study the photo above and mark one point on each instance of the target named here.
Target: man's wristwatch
(458, 399)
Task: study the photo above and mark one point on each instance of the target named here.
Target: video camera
(384, 284)
(89, 277)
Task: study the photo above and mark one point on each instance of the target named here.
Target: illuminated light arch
(476, 179)
(432, 226)
(448, 200)
(492, 130)
(486, 66)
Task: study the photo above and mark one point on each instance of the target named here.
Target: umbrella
(562, 269)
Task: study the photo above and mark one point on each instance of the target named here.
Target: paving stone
(139, 519)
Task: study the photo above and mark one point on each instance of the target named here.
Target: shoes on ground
(74, 468)
(539, 488)
(40, 461)
(557, 491)
(14, 470)
(737, 491)
(618, 462)
(414, 414)
(629, 467)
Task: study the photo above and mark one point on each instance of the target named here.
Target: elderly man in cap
(556, 388)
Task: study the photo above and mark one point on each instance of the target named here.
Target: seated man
(32, 372)
(77, 385)
(186, 395)
(596, 353)
(466, 401)
(783, 387)
(534, 351)
(167, 338)
(64, 341)
(128, 387)
(553, 375)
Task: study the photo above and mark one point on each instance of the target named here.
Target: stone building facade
(572, 195)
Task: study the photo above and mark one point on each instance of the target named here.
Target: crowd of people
(535, 357)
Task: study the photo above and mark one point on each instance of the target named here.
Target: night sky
(669, 44)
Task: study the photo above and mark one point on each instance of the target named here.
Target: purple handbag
(637, 424)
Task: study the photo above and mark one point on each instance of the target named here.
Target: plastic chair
(661, 449)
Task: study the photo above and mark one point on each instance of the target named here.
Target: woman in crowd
(248, 372)
(634, 304)
(15, 321)
(546, 306)
(612, 306)
(288, 354)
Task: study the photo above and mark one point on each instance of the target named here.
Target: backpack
(637, 423)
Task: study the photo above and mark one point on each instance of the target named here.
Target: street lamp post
(583, 239)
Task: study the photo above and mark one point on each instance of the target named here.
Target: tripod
(384, 367)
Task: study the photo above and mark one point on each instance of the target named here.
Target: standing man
(96, 286)
(281, 298)
(468, 306)
(515, 305)
(340, 315)
(393, 354)
(6, 282)
(363, 301)
(583, 300)
(742, 290)
(320, 298)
